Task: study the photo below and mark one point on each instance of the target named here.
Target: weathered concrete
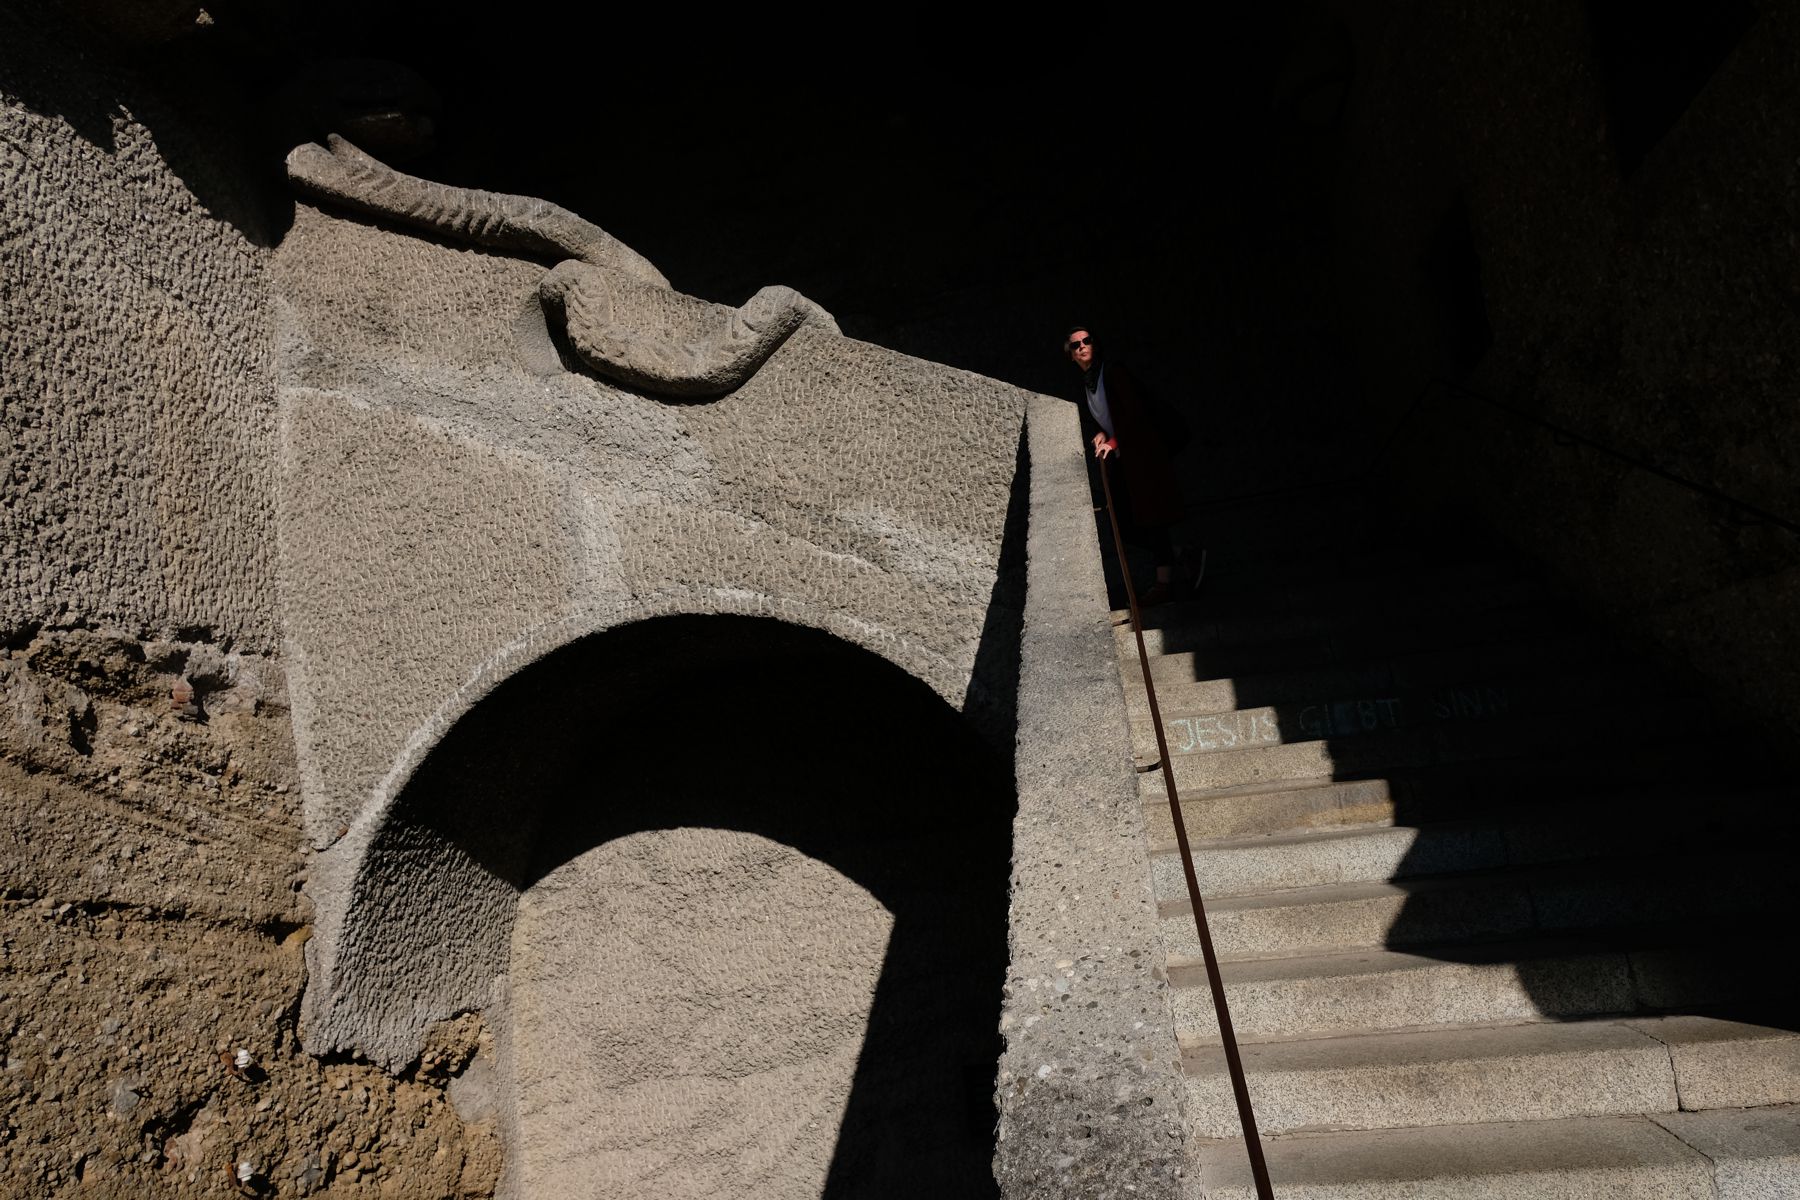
(1729, 1064)
(378, 474)
(455, 500)
(1625, 1157)
(137, 402)
(752, 969)
(1755, 1153)
(1088, 1097)
(1528, 1072)
(1386, 989)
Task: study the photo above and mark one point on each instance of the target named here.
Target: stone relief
(619, 314)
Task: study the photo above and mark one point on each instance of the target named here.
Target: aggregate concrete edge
(1088, 1090)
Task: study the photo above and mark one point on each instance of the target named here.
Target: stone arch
(418, 906)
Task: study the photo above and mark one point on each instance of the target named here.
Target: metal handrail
(1240, 1089)
(1439, 386)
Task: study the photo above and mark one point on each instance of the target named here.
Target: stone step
(1254, 644)
(1642, 720)
(1266, 564)
(1177, 692)
(1369, 640)
(1502, 904)
(1199, 625)
(1531, 1072)
(1471, 585)
(1682, 1156)
(1648, 777)
(1470, 700)
(1725, 1063)
(1253, 865)
(1526, 837)
(1551, 977)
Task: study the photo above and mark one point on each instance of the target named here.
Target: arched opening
(758, 932)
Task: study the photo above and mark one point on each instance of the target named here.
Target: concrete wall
(358, 476)
(151, 857)
(1580, 212)
(1089, 1095)
(456, 503)
(138, 393)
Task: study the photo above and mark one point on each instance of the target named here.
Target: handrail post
(1240, 1088)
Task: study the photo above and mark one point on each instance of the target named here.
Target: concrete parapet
(1088, 1091)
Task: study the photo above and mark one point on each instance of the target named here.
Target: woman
(1139, 438)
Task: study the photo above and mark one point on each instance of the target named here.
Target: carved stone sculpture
(618, 312)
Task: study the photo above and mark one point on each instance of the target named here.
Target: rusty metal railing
(1240, 1089)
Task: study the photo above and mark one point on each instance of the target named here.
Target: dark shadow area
(754, 725)
(192, 88)
(991, 702)
(1578, 812)
(1452, 270)
(1654, 60)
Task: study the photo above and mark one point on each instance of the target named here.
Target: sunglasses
(1078, 343)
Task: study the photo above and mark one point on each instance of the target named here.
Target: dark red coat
(1144, 458)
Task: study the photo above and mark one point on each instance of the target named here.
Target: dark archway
(768, 735)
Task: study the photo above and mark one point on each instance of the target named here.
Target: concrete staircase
(1500, 912)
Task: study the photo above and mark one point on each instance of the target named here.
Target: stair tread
(1401, 751)
(1381, 1048)
(1547, 986)
(1688, 936)
(1624, 868)
(1667, 1158)
(1648, 777)
(1386, 1047)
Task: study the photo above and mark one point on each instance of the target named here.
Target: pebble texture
(151, 921)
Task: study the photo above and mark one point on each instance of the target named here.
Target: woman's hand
(1104, 445)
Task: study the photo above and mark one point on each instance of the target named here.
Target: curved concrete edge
(408, 930)
(1088, 1090)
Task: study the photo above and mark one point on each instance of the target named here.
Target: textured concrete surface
(137, 403)
(729, 982)
(1729, 1064)
(1314, 920)
(1386, 989)
(1532, 1072)
(1755, 1153)
(363, 475)
(1627, 1158)
(1088, 1093)
(1231, 866)
(457, 502)
(643, 508)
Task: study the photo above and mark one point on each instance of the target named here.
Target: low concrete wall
(1088, 1092)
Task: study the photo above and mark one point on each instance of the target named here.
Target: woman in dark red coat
(1129, 429)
